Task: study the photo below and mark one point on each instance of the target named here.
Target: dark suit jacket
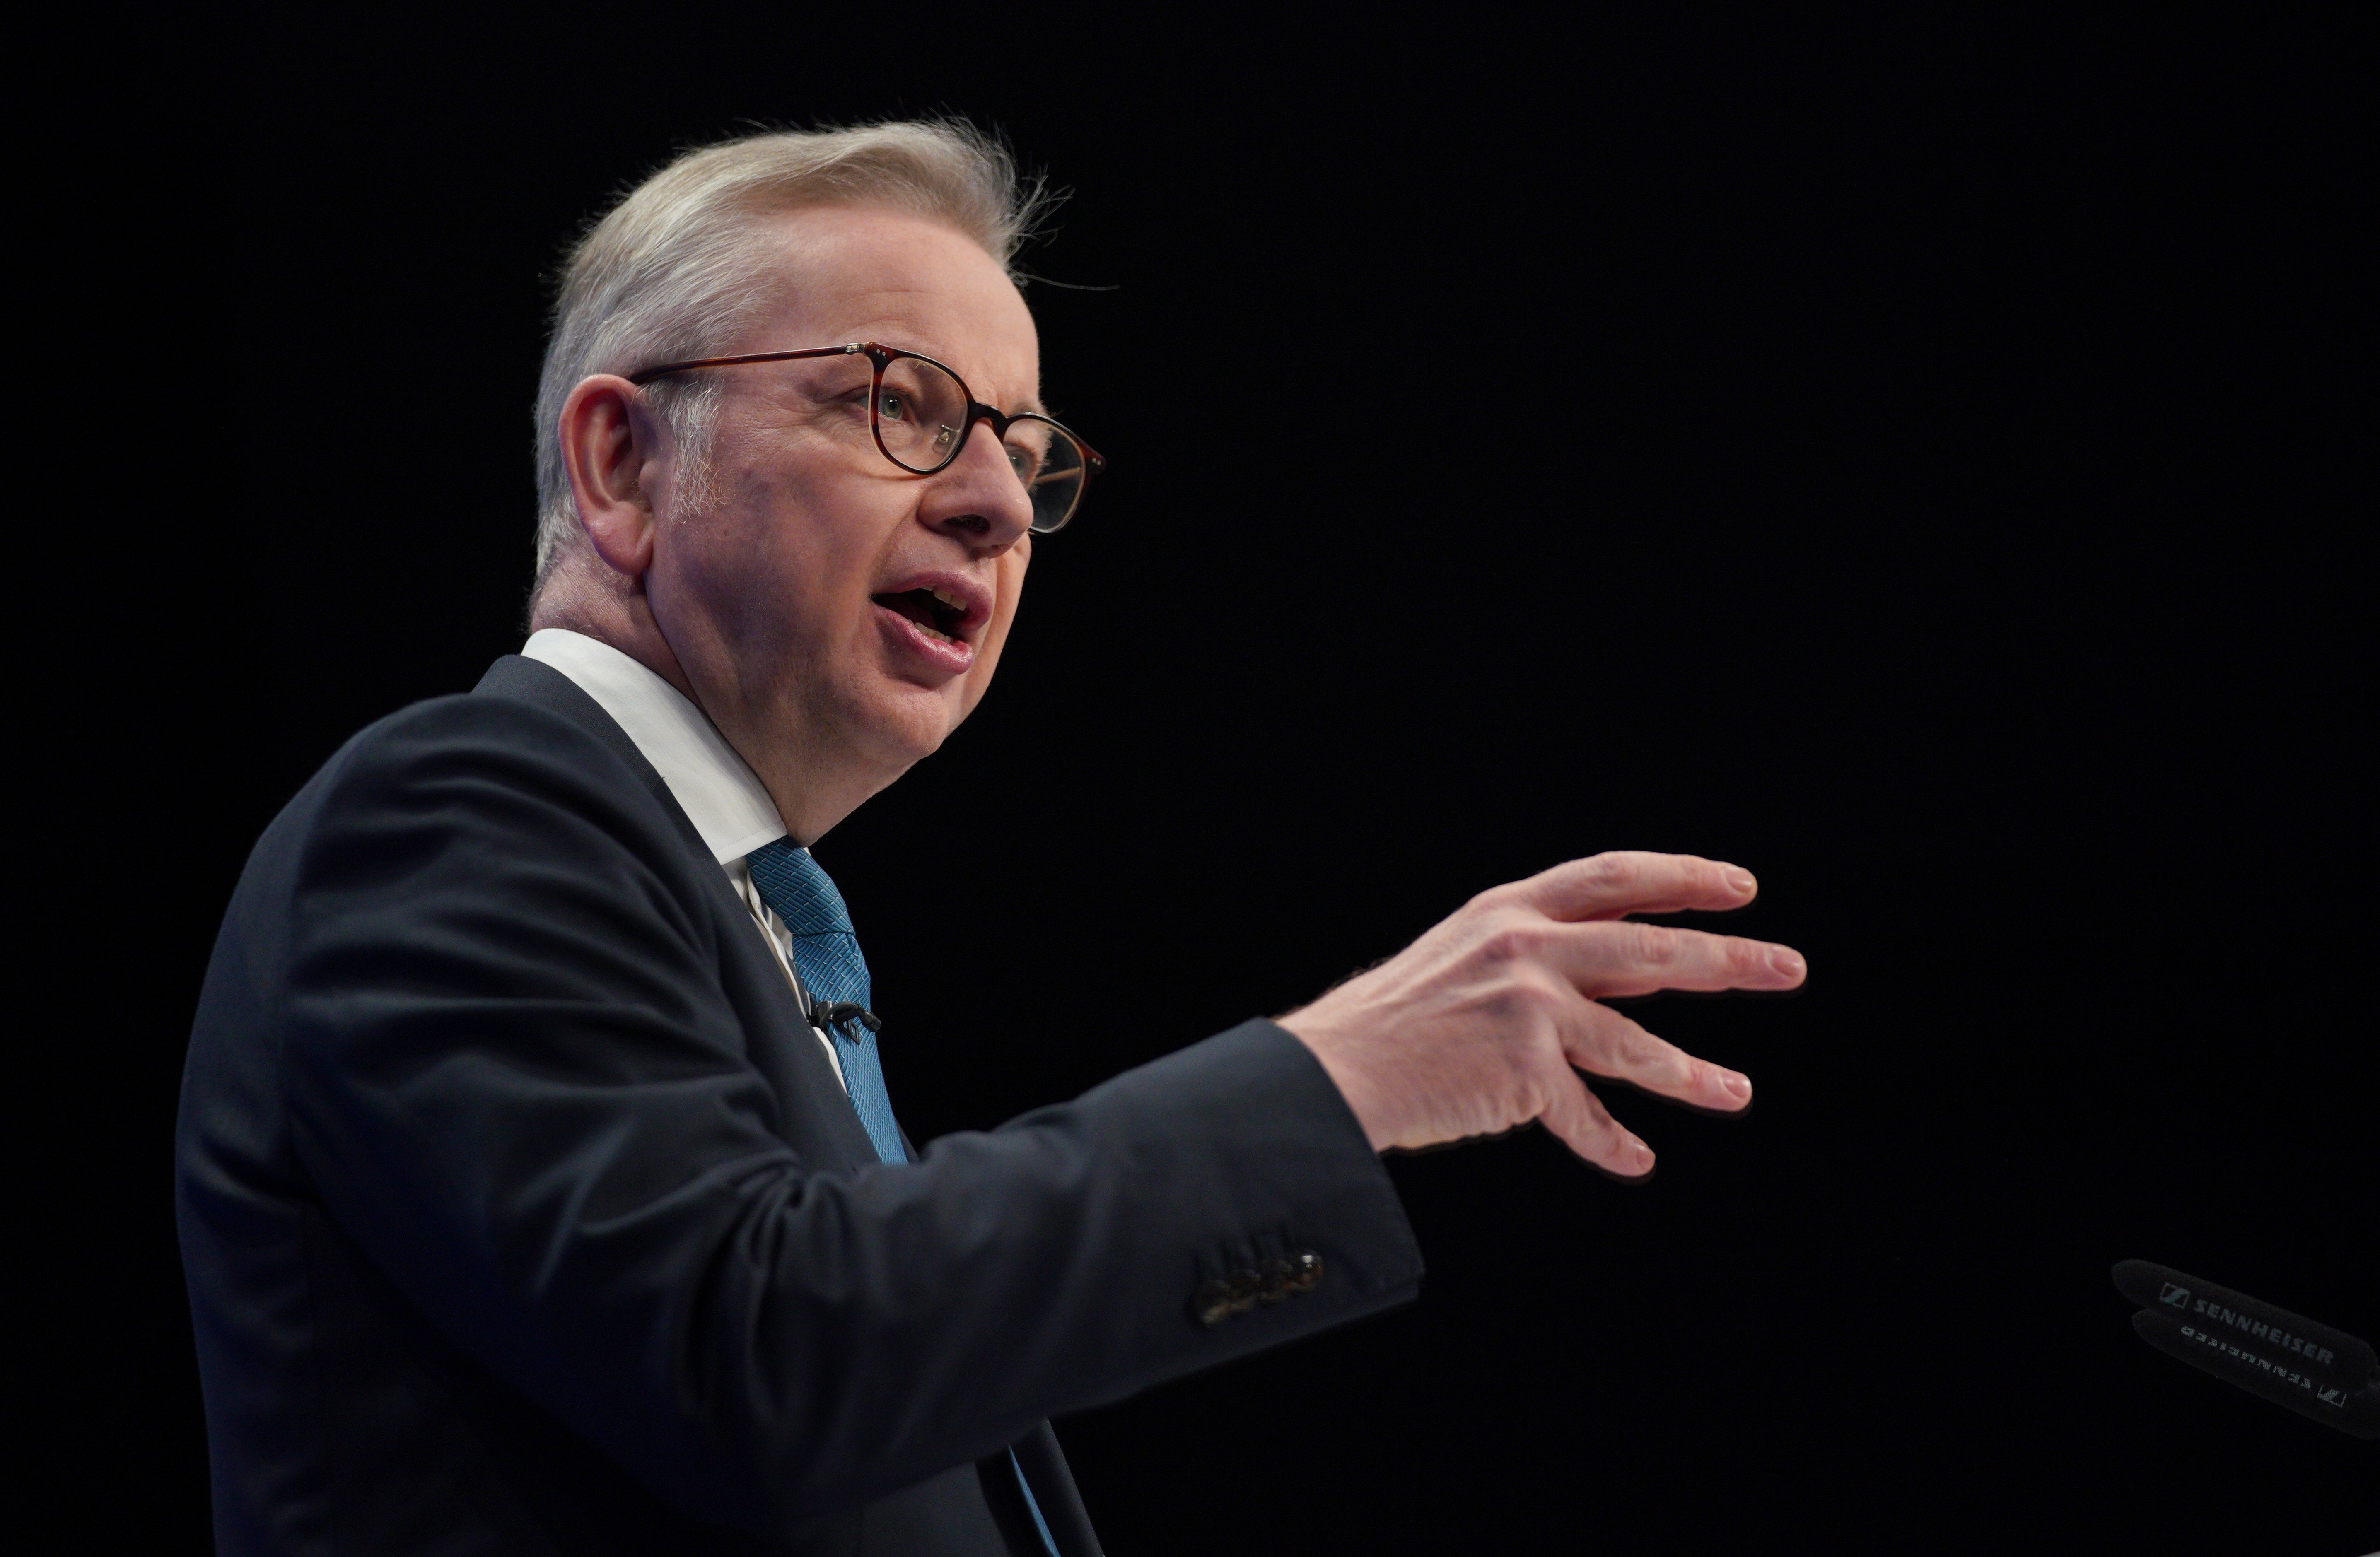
(522, 1214)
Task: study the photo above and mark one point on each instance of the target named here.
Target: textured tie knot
(798, 889)
(800, 893)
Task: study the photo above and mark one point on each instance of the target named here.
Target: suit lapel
(777, 1040)
(782, 1048)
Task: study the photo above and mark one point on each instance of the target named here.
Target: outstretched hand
(1476, 1027)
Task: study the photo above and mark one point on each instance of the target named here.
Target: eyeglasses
(921, 413)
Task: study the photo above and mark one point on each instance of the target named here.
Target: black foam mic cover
(2313, 1348)
(2285, 1383)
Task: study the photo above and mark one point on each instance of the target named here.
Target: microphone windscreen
(2311, 1347)
(2354, 1412)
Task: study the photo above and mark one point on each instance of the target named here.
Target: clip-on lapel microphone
(833, 1013)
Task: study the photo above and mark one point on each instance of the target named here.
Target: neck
(813, 787)
(583, 596)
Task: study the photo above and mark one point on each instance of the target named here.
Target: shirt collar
(719, 791)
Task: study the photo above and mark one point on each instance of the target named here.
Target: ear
(611, 447)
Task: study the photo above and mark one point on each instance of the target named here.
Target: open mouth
(937, 614)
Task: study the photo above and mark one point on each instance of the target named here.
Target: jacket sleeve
(515, 1082)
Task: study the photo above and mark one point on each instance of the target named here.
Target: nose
(978, 498)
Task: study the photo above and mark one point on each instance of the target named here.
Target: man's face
(791, 598)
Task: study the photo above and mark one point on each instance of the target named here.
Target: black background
(1918, 457)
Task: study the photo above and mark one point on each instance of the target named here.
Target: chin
(913, 725)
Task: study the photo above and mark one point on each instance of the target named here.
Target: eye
(892, 407)
(1028, 452)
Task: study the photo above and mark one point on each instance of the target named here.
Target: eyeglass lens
(921, 413)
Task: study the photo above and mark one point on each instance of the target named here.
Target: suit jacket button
(1305, 1271)
(1213, 1303)
(1244, 1291)
(1272, 1280)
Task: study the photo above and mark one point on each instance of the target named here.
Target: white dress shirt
(718, 790)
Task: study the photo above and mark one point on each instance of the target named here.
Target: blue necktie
(825, 955)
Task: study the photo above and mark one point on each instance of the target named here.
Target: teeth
(946, 598)
(933, 633)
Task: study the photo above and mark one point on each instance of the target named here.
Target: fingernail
(1738, 1087)
(1739, 878)
(1786, 962)
(1644, 1156)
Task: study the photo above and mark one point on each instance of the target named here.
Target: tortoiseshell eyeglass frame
(883, 356)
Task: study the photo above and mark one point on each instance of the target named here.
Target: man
(538, 1189)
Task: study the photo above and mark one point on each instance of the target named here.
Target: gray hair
(671, 270)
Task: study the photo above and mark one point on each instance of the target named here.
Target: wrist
(1355, 1086)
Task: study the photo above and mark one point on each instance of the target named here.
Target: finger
(1631, 881)
(1578, 1118)
(1625, 958)
(1600, 1041)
